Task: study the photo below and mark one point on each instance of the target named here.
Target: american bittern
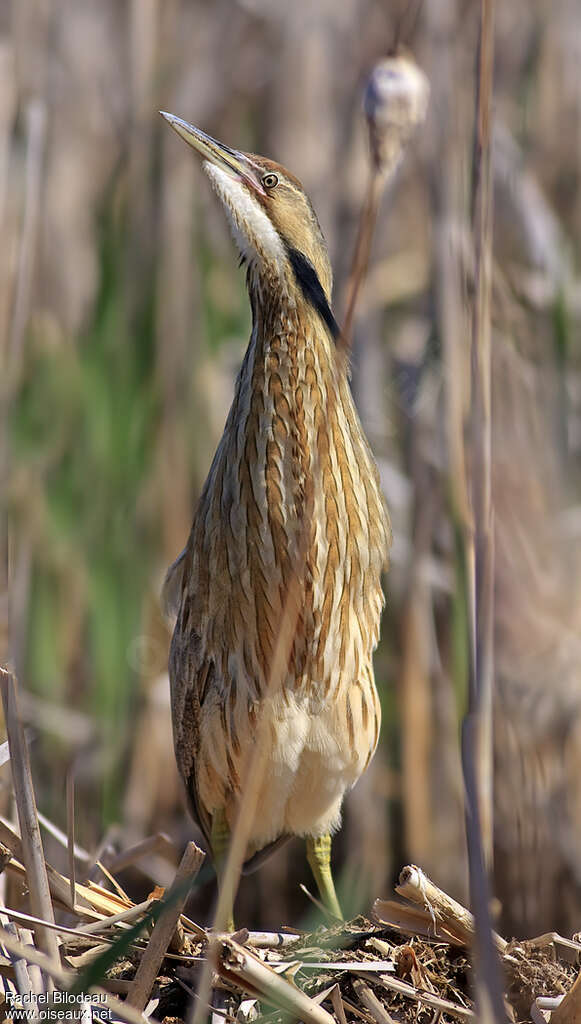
(293, 463)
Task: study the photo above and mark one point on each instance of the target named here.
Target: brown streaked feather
(292, 496)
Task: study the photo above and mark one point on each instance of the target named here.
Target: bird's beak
(231, 160)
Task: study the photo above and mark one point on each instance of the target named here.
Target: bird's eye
(270, 181)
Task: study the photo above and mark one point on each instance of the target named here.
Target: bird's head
(273, 222)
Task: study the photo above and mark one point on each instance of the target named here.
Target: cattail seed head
(395, 103)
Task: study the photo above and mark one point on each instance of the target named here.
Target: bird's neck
(284, 327)
(292, 286)
(273, 307)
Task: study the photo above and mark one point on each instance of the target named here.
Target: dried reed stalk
(415, 695)
(15, 548)
(143, 55)
(21, 974)
(65, 979)
(8, 100)
(92, 900)
(32, 849)
(477, 727)
(426, 998)
(416, 886)
(36, 118)
(70, 793)
(415, 921)
(371, 1002)
(49, 965)
(447, 190)
(367, 223)
(271, 940)
(481, 683)
(123, 917)
(159, 843)
(164, 929)
(234, 963)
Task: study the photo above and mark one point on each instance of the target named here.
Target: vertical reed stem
(480, 697)
(477, 726)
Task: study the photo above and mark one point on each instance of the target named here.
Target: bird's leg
(319, 858)
(220, 840)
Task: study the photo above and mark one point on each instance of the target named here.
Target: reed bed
(122, 323)
(74, 945)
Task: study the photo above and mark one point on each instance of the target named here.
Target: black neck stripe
(312, 289)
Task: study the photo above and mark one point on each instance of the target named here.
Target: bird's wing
(190, 672)
(171, 591)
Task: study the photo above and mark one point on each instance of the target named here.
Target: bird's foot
(319, 858)
(220, 841)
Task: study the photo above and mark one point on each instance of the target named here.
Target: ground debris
(406, 963)
(532, 972)
(435, 969)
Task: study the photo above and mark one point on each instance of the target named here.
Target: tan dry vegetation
(122, 322)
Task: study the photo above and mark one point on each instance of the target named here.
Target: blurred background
(123, 320)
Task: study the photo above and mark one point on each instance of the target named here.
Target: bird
(292, 499)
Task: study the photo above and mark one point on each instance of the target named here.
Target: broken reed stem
(164, 929)
(413, 920)
(369, 1000)
(32, 849)
(234, 963)
(338, 1004)
(414, 885)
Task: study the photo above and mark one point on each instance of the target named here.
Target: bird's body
(292, 500)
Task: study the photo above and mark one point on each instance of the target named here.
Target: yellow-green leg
(220, 839)
(319, 858)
